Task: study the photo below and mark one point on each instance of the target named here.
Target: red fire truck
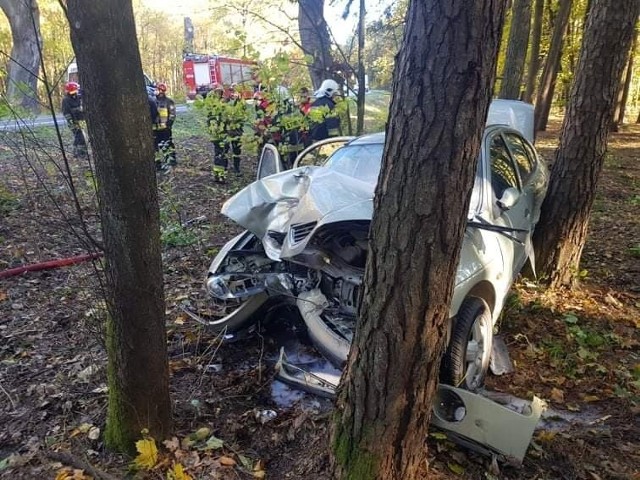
(201, 71)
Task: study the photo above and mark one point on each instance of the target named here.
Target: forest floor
(578, 350)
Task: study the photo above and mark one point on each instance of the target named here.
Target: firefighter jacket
(323, 119)
(166, 112)
(73, 110)
(216, 117)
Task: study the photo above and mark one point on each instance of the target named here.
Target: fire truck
(200, 71)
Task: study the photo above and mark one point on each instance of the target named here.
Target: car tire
(466, 360)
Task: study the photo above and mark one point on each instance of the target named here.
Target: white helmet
(327, 88)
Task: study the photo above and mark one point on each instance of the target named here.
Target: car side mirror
(509, 198)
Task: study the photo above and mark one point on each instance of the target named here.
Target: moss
(354, 463)
(118, 436)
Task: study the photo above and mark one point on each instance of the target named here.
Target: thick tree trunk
(443, 81)
(551, 67)
(562, 230)
(315, 41)
(516, 50)
(24, 65)
(120, 132)
(534, 52)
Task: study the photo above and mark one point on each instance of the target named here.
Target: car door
(511, 208)
(270, 162)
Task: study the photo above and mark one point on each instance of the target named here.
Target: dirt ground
(577, 350)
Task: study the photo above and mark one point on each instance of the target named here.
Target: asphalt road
(46, 121)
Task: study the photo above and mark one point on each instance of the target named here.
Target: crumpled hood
(302, 195)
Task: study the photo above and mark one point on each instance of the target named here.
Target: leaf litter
(576, 349)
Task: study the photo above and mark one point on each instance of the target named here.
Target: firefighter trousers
(163, 142)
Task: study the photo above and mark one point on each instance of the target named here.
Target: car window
(523, 161)
(358, 161)
(319, 155)
(503, 173)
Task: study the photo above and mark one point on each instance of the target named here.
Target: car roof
(371, 138)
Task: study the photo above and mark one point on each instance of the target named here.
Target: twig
(13, 404)
(69, 459)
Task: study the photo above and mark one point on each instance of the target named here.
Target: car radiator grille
(301, 231)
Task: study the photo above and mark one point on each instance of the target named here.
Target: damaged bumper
(472, 420)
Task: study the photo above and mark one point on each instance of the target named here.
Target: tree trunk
(361, 71)
(443, 81)
(516, 50)
(534, 54)
(551, 67)
(24, 65)
(562, 230)
(621, 104)
(120, 132)
(315, 41)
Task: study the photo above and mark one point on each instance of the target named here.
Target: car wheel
(466, 361)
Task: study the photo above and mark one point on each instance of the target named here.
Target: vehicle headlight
(217, 287)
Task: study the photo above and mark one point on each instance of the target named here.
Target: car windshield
(361, 161)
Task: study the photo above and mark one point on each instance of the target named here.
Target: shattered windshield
(358, 161)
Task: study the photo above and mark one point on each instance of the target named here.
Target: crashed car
(307, 231)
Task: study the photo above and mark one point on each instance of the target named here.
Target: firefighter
(290, 124)
(304, 106)
(216, 122)
(323, 118)
(236, 116)
(264, 112)
(162, 129)
(73, 112)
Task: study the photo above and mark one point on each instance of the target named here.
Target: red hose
(62, 262)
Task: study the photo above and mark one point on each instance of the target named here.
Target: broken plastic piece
(485, 426)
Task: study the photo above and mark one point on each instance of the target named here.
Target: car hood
(299, 197)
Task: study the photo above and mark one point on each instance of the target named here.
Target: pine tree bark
(443, 81)
(551, 67)
(24, 65)
(120, 132)
(315, 40)
(562, 230)
(534, 52)
(516, 50)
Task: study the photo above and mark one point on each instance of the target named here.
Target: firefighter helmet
(162, 87)
(327, 88)
(71, 88)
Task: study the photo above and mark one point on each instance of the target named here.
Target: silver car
(307, 233)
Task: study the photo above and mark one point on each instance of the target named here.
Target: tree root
(76, 462)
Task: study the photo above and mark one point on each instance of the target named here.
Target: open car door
(317, 153)
(270, 162)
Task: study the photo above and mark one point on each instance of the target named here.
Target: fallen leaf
(172, 444)
(545, 436)
(201, 433)
(178, 473)
(227, 461)
(591, 398)
(148, 454)
(557, 395)
(213, 443)
(246, 462)
(456, 468)
(94, 433)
